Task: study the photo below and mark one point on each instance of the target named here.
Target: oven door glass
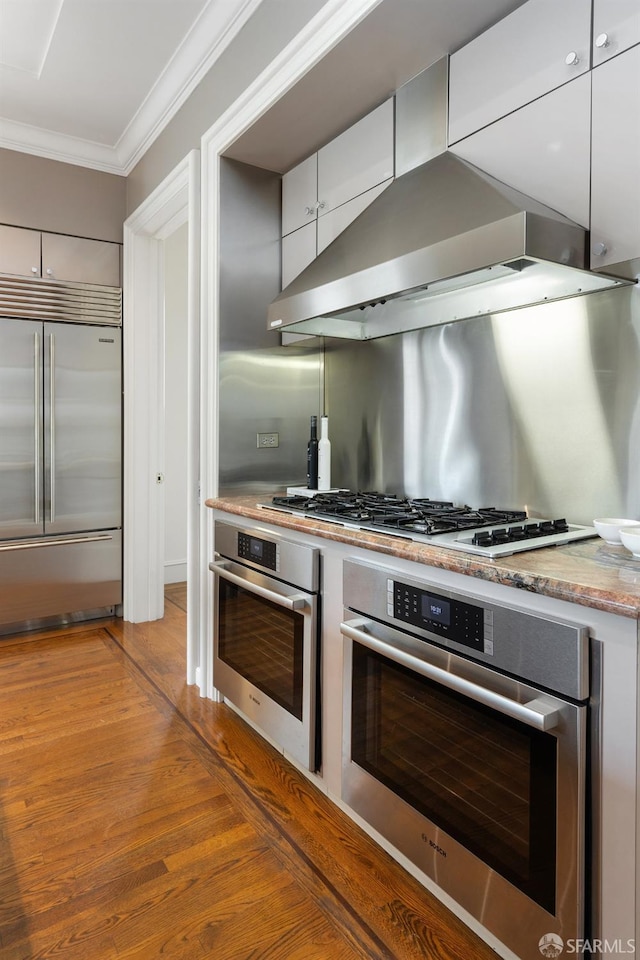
(486, 779)
(263, 642)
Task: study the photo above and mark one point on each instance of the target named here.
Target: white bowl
(609, 528)
(630, 537)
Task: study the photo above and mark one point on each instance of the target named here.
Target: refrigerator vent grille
(34, 299)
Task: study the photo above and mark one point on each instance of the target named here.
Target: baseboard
(175, 571)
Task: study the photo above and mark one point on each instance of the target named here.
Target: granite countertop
(590, 572)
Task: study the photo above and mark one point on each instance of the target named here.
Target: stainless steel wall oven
(266, 635)
(465, 746)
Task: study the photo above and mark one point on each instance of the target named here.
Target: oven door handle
(539, 713)
(295, 602)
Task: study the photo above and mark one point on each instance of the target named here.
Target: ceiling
(93, 82)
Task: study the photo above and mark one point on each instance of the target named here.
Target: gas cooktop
(488, 531)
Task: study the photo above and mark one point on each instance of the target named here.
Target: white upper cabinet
(542, 149)
(80, 260)
(615, 160)
(19, 251)
(326, 192)
(357, 160)
(300, 195)
(360, 158)
(538, 47)
(54, 256)
(616, 26)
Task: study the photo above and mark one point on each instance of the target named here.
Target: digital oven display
(436, 609)
(449, 618)
(256, 548)
(263, 552)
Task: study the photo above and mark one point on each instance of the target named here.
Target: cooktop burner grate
(423, 516)
(491, 531)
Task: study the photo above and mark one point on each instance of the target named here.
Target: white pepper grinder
(324, 456)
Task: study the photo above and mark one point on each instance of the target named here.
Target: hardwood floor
(177, 593)
(139, 821)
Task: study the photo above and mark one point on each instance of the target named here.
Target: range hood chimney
(443, 242)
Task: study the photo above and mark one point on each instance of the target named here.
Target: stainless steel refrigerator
(60, 471)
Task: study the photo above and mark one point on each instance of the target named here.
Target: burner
(294, 503)
(438, 506)
(491, 531)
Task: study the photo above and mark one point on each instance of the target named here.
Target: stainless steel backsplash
(537, 408)
(263, 387)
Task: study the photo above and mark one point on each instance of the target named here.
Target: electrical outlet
(267, 440)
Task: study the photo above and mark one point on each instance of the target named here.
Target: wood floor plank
(301, 933)
(246, 878)
(92, 883)
(176, 593)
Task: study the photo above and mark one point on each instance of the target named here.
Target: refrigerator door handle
(52, 430)
(37, 464)
(52, 542)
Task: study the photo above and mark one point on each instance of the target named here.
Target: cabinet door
(616, 26)
(80, 260)
(337, 220)
(20, 251)
(615, 160)
(298, 250)
(360, 158)
(542, 149)
(538, 47)
(299, 195)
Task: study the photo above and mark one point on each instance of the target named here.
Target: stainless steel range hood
(443, 242)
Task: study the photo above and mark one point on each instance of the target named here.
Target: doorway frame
(174, 202)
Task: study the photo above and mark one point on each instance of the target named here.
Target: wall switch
(269, 440)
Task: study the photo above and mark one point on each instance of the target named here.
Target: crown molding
(212, 32)
(58, 146)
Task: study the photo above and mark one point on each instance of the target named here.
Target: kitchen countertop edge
(588, 573)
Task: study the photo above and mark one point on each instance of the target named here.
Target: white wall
(175, 404)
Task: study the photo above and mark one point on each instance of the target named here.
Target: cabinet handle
(34, 269)
(321, 205)
(602, 40)
(572, 59)
(309, 211)
(49, 272)
(599, 249)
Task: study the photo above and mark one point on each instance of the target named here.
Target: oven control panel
(447, 617)
(263, 552)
